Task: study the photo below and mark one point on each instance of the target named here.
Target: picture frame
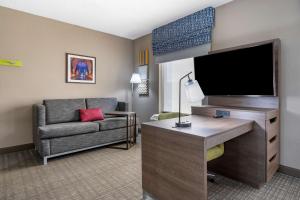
(143, 87)
(80, 69)
(143, 71)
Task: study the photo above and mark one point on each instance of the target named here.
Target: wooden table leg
(127, 132)
(135, 132)
(173, 165)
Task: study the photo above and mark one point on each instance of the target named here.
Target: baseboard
(16, 148)
(289, 171)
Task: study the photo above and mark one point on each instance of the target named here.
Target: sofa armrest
(38, 120)
(39, 115)
(122, 106)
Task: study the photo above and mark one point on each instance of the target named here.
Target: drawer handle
(272, 120)
(273, 139)
(273, 157)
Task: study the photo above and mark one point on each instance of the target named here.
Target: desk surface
(214, 130)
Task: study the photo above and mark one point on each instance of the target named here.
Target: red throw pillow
(87, 115)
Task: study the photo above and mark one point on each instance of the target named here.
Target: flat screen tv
(239, 72)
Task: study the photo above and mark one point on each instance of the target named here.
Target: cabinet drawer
(272, 146)
(272, 166)
(272, 155)
(272, 127)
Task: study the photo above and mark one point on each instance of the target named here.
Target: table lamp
(193, 93)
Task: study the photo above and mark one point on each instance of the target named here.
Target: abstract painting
(81, 69)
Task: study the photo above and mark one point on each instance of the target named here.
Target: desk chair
(212, 153)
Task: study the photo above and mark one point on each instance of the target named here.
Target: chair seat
(112, 123)
(215, 152)
(67, 129)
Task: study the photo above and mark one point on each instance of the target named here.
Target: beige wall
(41, 44)
(146, 106)
(246, 21)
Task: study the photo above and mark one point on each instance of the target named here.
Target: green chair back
(170, 115)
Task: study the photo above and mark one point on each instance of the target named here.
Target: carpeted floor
(110, 174)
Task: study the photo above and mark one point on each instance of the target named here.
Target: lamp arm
(185, 76)
(179, 113)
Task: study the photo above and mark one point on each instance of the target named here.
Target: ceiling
(125, 18)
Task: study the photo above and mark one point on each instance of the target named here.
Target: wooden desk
(174, 159)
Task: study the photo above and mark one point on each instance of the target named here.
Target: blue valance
(192, 30)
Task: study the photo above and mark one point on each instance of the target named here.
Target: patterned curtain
(190, 31)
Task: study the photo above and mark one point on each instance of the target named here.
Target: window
(171, 72)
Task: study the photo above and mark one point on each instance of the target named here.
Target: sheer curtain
(171, 72)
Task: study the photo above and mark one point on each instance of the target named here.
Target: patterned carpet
(110, 174)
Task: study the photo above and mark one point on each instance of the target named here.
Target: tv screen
(247, 71)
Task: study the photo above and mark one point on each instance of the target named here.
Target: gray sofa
(57, 129)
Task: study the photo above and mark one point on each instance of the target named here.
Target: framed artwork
(143, 87)
(80, 69)
(143, 71)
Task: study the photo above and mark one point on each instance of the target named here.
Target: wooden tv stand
(261, 145)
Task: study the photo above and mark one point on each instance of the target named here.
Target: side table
(130, 124)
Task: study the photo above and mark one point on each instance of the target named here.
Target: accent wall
(41, 44)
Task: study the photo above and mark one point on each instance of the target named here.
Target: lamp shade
(135, 78)
(193, 91)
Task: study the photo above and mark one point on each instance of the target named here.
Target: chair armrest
(122, 106)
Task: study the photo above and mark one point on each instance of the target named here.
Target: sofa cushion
(67, 129)
(63, 110)
(112, 123)
(75, 142)
(106, 104)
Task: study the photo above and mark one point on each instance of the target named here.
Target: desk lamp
(193, 93)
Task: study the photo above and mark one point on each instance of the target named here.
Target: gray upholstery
(67, 129)
(122, 106)
(39, 114)
(63, 110)
(106, 104)
(57, 128)
(60, 145)
(38, 120)
(112, 123)
(44, 148)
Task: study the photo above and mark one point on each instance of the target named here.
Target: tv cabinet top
(253, 109)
